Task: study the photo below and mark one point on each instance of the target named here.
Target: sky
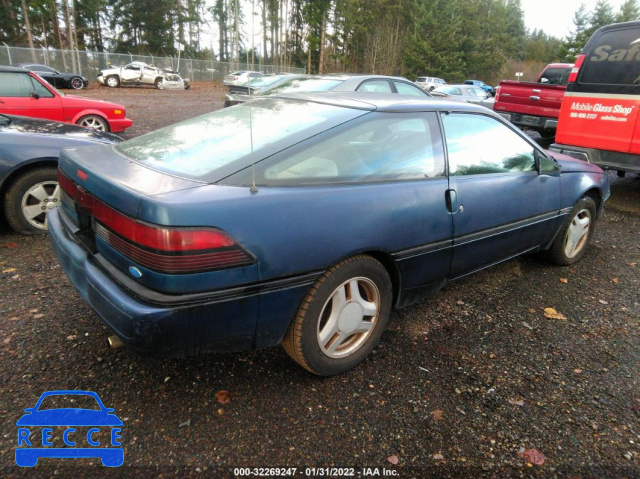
(555, 17)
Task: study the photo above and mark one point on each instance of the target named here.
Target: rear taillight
(163, 249)
(573, 76)
(497, 97)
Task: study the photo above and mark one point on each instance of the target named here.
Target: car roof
(383, 102)
(6, 68)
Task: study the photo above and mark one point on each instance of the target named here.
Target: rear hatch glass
(212, 146)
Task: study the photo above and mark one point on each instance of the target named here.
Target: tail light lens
(573, 76)
(497, 97)
(163, 249)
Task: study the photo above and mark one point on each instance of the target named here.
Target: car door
(22, 94)
(149, 74)
(130, 73)
(502, 206)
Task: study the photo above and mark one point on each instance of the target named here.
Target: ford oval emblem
(135, 272)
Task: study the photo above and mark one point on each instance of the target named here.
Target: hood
(569, 164)
(84, 102)
(23, 124)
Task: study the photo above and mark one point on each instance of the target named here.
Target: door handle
(451, 199)
(534, 97)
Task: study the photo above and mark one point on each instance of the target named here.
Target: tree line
(452, 39)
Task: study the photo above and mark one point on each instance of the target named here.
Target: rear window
(556, 75)
(213, 146)
(614, 58)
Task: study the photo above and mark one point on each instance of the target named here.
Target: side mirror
(34, 95)
(29, 410)
(544, 80)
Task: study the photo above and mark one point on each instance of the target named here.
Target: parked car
(29, 151)
(429, 83)
(479, 83)
(320, 213)
(56, 78)
(344, 83)
(468, 93)
(535, 105)
(24, 93)
(240, 77)
(135, 73)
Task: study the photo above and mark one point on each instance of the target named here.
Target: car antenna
(254, 188)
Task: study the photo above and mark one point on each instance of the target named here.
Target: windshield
(305, 84)
(264, 81)
(212, 146)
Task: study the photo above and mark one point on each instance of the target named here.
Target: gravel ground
(472, 381)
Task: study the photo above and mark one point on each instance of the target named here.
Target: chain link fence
(89, 64)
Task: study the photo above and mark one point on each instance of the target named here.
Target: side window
(406, 89)
(15, 85)
(479, 144)
(40, 89)
(470, 91)
(375, 86)
(381, 147)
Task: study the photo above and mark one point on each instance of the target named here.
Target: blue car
(68, 422)
(302, 219)
(479, 83)
(29, 150)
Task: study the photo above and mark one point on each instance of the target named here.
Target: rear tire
(571, 243)
(30, 198)
(341, 318)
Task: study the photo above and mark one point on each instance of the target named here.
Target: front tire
(341, 318)
(113, 82)
(77, 83)
(30, 198)
(571, 243)
(94, 122)
(159, 82)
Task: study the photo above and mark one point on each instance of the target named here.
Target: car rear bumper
(533, 122)
(231, 320)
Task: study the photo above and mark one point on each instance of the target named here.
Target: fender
(90, 111)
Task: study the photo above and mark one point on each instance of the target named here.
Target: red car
(24, 93)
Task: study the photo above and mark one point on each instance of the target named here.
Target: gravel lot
(473, 381)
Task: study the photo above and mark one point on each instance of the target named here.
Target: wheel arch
(90, 112)
(596, 195)
(33, 164)
(392, 269)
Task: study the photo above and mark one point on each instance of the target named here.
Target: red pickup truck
(534, 105)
